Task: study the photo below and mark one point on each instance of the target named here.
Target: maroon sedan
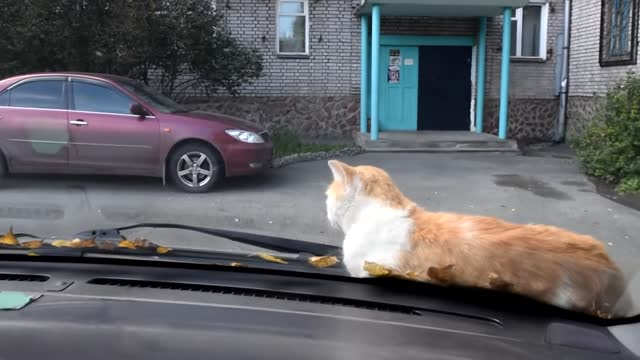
(102, 124)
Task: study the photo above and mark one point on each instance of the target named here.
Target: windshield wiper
(273, 243)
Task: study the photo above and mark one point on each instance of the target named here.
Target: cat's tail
(618, 297)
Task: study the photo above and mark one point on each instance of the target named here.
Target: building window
(529, 31)
(293, 27)
(618, 32)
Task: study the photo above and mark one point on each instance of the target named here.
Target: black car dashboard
(129, 309)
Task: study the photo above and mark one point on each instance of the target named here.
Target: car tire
(199, 160)
(3, 167)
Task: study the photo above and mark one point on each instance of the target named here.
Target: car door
(33, 125)
(105, 136)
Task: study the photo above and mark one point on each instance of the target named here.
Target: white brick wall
(528, 79)
(333, 66)
(586, 77)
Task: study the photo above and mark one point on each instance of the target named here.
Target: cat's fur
(547, 263)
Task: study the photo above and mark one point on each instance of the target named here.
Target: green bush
(609, 148)
(285, 142)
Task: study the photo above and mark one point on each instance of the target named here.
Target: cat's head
(356, 186)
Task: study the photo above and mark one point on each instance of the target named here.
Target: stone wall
(580, 111)
(308, 116)
(529, 119)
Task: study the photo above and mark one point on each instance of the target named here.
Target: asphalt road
(290, 201)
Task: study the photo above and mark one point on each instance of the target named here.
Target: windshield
(450, 145)
(152, 97)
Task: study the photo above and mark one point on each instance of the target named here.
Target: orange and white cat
(550, 264)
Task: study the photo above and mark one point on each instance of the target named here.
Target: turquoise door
(398, 88)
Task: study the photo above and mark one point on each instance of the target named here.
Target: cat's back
(493, 233)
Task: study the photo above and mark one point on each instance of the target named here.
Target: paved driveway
(290, 201)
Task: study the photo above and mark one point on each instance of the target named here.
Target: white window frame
(306, 25)
(544, 15)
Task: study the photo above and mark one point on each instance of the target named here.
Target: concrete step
(435, 141)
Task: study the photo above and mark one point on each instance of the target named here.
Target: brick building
(318, 61)
(604, 38)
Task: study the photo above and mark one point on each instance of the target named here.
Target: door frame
(441, 40)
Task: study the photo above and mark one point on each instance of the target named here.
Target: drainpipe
(564, 76)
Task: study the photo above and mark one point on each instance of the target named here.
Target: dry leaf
(86, 243)
(323, 261)
(163, 249)
(272, 258)
(75, 243)
(61, 243)
(9, 238)
(34, 244)
(142, 243)
(376, 270)
(127, 244)
(31, 253)
(237, 264)
(411, 275)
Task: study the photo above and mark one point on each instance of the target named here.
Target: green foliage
(610, 146)
(179, 45)
(286, 143)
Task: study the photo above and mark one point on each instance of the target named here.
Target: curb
(324, 155)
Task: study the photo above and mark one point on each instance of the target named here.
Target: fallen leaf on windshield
(142, 243)
(31, 253)
(376, 270)
(127, 244)
(61, 243)
(75, 243)
(163, 249)
(272, 258)
(323, 261)
(237, 264)
(34, 244)
(9, 238)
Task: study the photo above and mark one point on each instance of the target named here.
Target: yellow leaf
(376, 270)
(127, 244)
(163, 249)
(75, 243)
(31, 253)
(86, 243)
(237, 264)
(9, 238)
(323, 261)
(272, 258)
(34, 244)
(61, 243)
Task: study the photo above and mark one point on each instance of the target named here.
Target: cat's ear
(341, 171)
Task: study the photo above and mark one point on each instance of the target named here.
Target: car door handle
(78, 122)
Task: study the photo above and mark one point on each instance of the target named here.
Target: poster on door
(393, 74)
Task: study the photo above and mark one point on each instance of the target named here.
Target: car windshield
(152, 97)
(457, 146)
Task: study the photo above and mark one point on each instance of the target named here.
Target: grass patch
(287, 143)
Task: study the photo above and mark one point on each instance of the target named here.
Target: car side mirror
(137, 109)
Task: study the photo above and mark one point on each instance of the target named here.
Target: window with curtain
(293, 27)
(529, 31)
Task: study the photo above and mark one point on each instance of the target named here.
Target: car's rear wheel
(195, 168)
(3, 167)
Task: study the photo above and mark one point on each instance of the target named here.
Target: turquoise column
(375, 69)
(364, 72)
(504, 75)
(482, 68)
